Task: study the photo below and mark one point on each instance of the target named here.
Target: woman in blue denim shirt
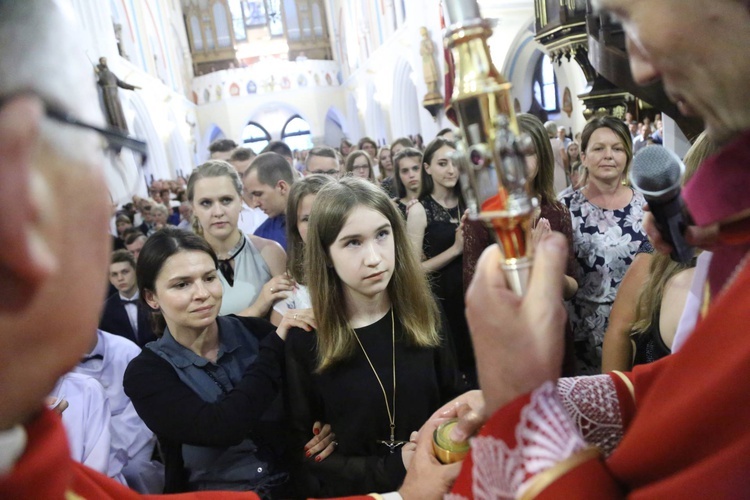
(209, 387)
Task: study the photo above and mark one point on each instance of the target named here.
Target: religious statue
(109, 83)
(433, 100)
(120, 44)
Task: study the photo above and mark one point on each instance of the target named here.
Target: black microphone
(656, 172)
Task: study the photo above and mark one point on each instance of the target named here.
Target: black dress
(649, 346)
(447, 283)
(348, 397)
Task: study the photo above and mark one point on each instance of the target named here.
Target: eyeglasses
(116, 140)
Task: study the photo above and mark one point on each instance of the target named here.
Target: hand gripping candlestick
(489, 154)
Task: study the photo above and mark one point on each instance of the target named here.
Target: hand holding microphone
(657, 172)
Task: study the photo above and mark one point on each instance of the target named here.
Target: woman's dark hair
(367, 140)
(427, 183)
(159, 247)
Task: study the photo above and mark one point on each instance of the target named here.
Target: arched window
(195, 26)
(238, 20)
(292, 19)
(255, 137)
(545, 85)
(317, 18)
(223, 37)
(296, 133)
(275, 22)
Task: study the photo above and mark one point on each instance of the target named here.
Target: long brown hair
(295, 246)
(544, 182)
(408, 289)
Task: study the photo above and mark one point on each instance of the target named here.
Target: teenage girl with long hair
(376, 368)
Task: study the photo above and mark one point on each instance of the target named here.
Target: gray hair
(43, 52)
(159, 207)
(551, 128)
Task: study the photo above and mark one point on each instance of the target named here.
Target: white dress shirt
(86, 420)
(693, 303)
(132, 443)
(132, 310)
(250, 219)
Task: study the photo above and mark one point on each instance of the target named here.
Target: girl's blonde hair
(408, 289)
(662, 267)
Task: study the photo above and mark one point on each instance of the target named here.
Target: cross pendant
(392, 444)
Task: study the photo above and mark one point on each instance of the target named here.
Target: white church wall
(153, 44)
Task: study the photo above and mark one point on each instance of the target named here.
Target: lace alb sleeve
(592, 404)
(544, 436)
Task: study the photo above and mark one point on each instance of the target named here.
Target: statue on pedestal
(433, 100)
(109, 83)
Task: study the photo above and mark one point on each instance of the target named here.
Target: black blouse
(348, 397)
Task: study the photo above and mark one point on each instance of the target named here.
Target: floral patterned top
(605, 243)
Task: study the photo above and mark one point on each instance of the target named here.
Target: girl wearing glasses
(359, 164)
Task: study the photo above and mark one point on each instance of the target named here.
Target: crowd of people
(345, 337)
(292, 333)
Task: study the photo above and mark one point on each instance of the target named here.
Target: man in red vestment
(52, 268)
(676, 428)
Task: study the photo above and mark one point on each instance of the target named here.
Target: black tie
(126, 301)
(225, 266)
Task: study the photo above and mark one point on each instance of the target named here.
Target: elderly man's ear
(25, 258)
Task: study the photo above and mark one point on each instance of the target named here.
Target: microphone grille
(656, 169)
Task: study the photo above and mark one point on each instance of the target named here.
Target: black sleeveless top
(649, 346)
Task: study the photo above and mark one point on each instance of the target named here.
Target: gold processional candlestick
(490, 155)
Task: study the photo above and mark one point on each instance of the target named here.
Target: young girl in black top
(376, 370)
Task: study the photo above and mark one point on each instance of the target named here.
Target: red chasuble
(687, 433)
(46, 471)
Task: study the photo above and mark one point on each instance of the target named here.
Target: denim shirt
(243, 466)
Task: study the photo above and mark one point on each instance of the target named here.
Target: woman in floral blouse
(607, 231)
